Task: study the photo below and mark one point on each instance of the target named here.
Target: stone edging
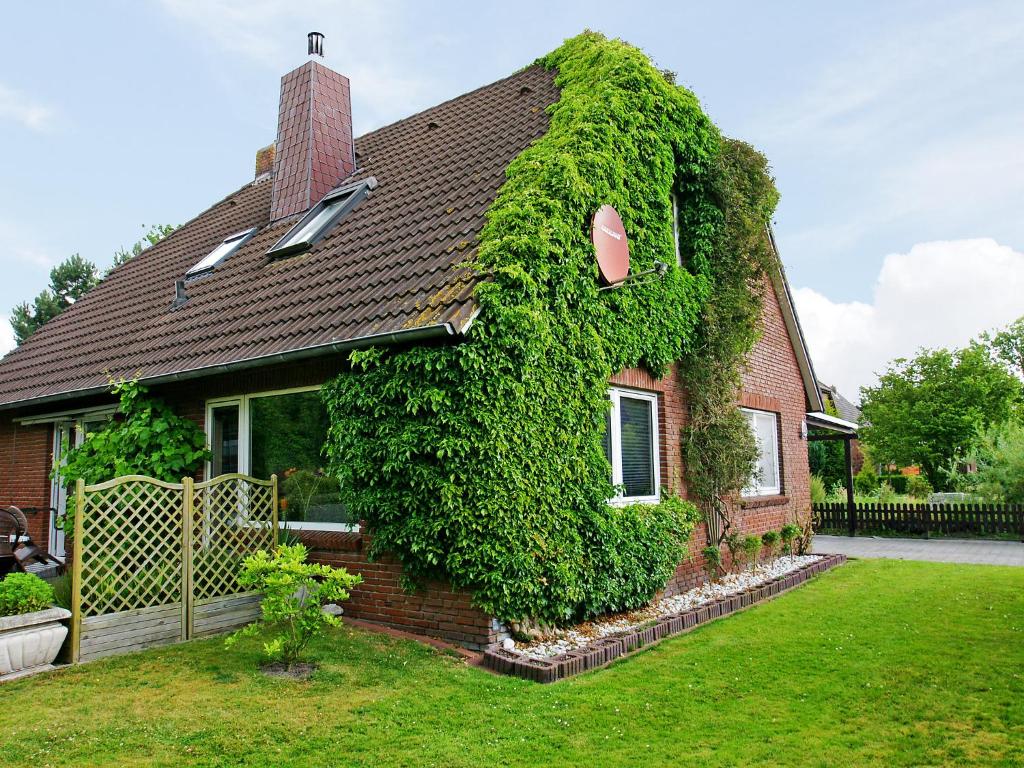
(604, 651)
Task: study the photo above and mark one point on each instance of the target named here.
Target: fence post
(851, 508)
(273, 510)
(76, 571)
(187, 507)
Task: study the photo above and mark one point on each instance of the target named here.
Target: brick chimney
(314, 147)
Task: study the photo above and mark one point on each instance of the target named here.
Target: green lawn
(874, 663)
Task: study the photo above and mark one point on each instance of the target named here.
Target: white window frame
(205, 265)
(675, 229)
(761, 486)
(615, 394)
(244, 447)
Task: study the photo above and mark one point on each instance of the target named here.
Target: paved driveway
(935, 550)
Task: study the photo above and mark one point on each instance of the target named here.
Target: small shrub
(818, 493)
(886, 494)
(803, 543)
(294, 593)
(866, 481)
(62, 590)
(897, 481)
(837, 493)
(734, 543)
(751, 549)
(789, 533)
(918, 487)
(770, 540)
(24, 593)
(712, 561)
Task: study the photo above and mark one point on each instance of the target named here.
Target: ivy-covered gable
(482, 462)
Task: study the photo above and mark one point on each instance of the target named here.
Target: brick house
(238, 317)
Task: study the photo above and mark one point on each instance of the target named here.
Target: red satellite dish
(611, 245)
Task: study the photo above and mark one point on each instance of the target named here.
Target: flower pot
(30, 642)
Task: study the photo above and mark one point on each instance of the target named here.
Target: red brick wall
(26, 454)
(772, 382)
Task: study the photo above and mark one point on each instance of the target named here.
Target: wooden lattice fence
(158, 562)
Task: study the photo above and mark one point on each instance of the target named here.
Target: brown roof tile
(390, 265)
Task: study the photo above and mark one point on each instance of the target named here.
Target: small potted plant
(31, 628)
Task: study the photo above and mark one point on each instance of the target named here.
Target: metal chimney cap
(316, 44)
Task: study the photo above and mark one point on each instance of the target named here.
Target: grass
(878, 662)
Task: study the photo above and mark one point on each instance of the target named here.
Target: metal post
(851, 506)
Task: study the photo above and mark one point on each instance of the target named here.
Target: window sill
(757, 502)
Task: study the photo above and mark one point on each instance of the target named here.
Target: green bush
(886, 494)
(897, 481)
(712, 561)
(789, 533)
(918, 487)
(770, 540)
(865, 482)
(294, 593)
(818, 493)
(24, 593)
(734, 543)
(751, 550)
(1000, 459)
(146, 438)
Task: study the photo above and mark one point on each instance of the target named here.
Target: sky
(895, 131)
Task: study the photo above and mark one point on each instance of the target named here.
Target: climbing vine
(482, 462)
(718, 448)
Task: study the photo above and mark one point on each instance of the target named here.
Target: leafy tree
(72, 279)
(931, 408)
(154, 235)
(1008, 345)
(69, 281)
(999, 455)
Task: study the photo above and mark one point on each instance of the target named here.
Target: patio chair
(17, 550)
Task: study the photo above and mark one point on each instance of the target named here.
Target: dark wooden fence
(921, 519)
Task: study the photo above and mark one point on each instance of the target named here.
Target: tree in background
(934, 407)
(69, 281)
(154, 235)
(827, 458)
(999, 455)
(1008, 345)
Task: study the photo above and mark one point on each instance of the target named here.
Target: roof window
(227, 247)
(321, 218)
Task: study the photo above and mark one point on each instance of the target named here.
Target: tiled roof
(844, 408)
(390, 266)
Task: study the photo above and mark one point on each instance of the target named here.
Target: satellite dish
(610, 245)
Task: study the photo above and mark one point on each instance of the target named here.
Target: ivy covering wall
(482, 462)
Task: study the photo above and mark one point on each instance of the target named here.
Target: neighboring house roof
(844, 408)
(390, 270)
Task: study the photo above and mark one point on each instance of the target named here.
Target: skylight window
(321, 218)
(227, 247)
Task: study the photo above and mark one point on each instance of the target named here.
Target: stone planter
(30, 642)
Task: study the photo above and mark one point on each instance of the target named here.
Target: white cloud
(938, 294)
(19, 108)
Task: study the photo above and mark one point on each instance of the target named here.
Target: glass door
(63, 436)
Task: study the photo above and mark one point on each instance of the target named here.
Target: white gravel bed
(564, 640)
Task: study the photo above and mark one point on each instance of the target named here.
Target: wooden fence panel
(158, 562)
(923, 519)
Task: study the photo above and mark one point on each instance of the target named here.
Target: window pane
(224, 440)
(765, 430)
(287, 436)
(317, 223)
(606, 438)
(637, 440)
